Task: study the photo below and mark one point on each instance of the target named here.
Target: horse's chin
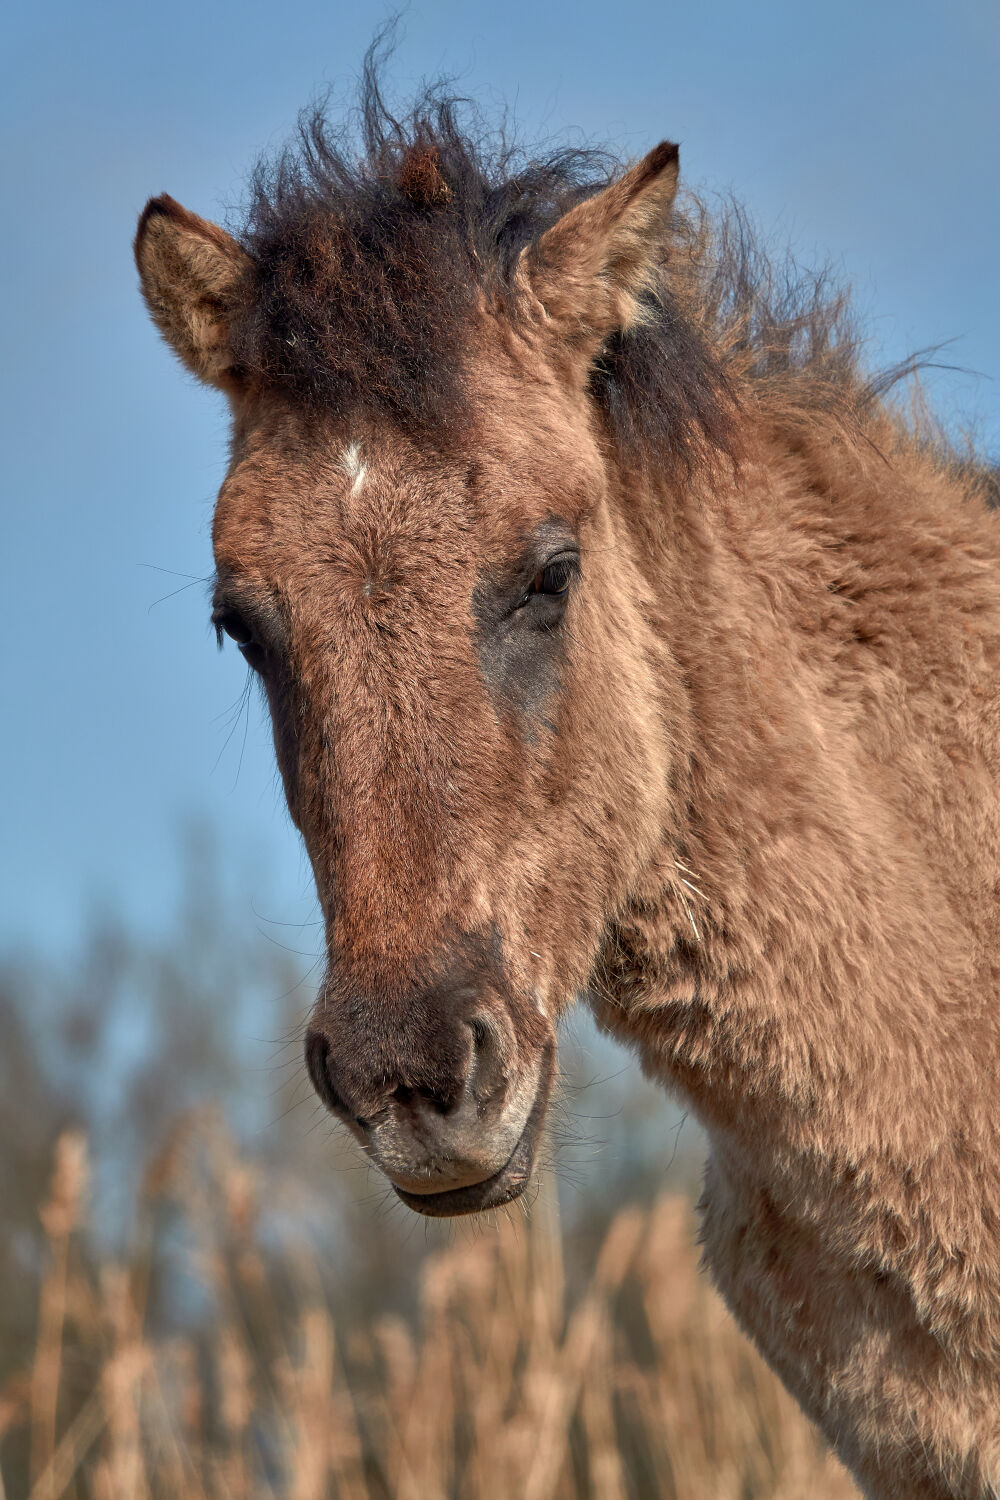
(504, 1186)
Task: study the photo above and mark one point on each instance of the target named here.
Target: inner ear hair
(593, 266)
(191, 273)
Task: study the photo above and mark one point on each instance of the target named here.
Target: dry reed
(516, 1378)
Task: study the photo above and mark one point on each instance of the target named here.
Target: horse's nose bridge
(394, 794)
(393, 899)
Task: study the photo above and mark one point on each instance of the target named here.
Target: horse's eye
(554, 579)
(230, 622)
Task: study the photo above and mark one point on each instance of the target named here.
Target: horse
(624, 641)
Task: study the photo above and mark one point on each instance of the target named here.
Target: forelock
(373, 246)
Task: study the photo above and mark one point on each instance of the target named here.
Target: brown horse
(621, 642)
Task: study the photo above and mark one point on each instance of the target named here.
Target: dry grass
(514, 1378)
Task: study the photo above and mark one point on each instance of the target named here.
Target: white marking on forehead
(353, 466)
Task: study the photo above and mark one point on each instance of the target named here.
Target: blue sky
(863, 132)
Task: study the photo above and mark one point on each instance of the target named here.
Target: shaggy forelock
(373, 244)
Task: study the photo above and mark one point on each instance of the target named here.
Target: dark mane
(372, 243)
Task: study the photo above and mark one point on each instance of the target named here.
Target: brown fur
(738, 785)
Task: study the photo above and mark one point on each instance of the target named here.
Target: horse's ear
(590, 270)
(191, 272)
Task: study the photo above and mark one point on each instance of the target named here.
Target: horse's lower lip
(511, 1180)
(503, 1187)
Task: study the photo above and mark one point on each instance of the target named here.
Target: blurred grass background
(210, 1296)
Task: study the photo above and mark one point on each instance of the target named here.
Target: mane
(373, 242)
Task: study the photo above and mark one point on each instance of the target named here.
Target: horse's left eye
(554, 579)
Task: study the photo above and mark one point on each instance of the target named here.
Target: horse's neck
(815, 963)
(816, 933)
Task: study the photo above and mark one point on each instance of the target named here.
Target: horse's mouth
(511, 1180)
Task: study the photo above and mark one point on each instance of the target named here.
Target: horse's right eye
(230, 622)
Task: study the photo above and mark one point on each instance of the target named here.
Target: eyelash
(228, 622)
(231, 623)
(553, 580)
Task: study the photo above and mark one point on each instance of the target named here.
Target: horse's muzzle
(513, 1177)
(446, 1096)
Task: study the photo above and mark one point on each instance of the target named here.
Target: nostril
(488, 1075)
(318, 1067)
(480, 1032)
